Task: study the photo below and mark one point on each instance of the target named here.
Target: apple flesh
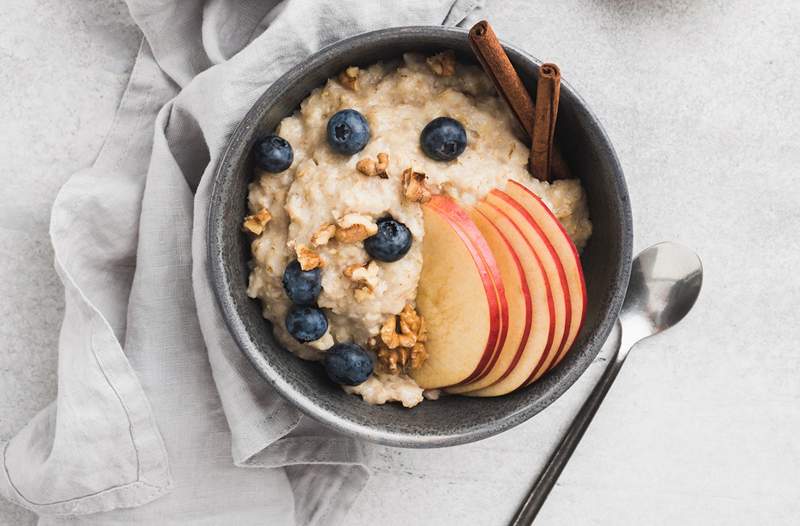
(567, 254)
(461, 296)
(520, 308)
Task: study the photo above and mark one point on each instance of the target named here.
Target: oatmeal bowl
(383, 255)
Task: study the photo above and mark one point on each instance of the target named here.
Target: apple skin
(567, 253)
(520, 307)
(545, 335)
(461, 269)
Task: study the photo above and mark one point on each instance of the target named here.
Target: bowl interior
(451, 420)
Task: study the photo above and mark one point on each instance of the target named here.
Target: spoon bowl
(665, 282)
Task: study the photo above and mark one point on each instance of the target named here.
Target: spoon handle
(541, 489)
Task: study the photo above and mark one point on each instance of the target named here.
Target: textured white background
(701, 100)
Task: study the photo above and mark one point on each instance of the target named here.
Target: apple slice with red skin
(546, 333)
(567, 253)
(520, 308)
(463, 221)
(461, 296)
(515, 214)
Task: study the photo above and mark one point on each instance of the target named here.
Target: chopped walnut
(323, 235)
(422, 331)
(362, 294)
(414, 187)
(413, 323)
(401, 359)
(443, 64)
(349, 78)
(388, 333)
(349, 269)
(366, 277)
(255, 223)
(353, 234)
(402, 341)
(373, 168)
(366, 273)
(352, 228)
(307, 257)
(418, 355)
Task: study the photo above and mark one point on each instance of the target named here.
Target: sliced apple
(461, 220)
(520, 308)
(554, 275)
(461, 296)
(567, 254)
(546, 333)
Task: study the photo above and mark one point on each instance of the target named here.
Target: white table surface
(700, 99)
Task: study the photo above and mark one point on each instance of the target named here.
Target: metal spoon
(665, 282)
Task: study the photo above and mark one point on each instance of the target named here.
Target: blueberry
(306, 324)
(302, 286)
(348, 364)
(391, 242)
(348, 132)
(273, 154)
(443, 139)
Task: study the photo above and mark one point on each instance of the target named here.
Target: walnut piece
(414, 188)
(323, 235)
(401, 359)
(352, 228)
(402, 343)
(444, 63)
(362, 294)
(413, 323)
(307, 257)
(255, 223)
(365, 277)
(373, 168)
(388, 333)
(349, 78)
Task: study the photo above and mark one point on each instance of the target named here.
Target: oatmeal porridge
(338, 215)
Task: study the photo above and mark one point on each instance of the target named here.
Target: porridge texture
(326, 203)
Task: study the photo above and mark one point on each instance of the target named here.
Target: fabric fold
(158, 412)
(97, 446)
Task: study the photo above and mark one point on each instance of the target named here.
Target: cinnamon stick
(498, 67)
(495, 62)
(548, 88)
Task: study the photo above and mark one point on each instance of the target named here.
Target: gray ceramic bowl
(451, 420)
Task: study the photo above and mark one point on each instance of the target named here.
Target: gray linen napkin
(153, 396)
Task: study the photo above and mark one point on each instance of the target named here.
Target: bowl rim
(306, 405)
